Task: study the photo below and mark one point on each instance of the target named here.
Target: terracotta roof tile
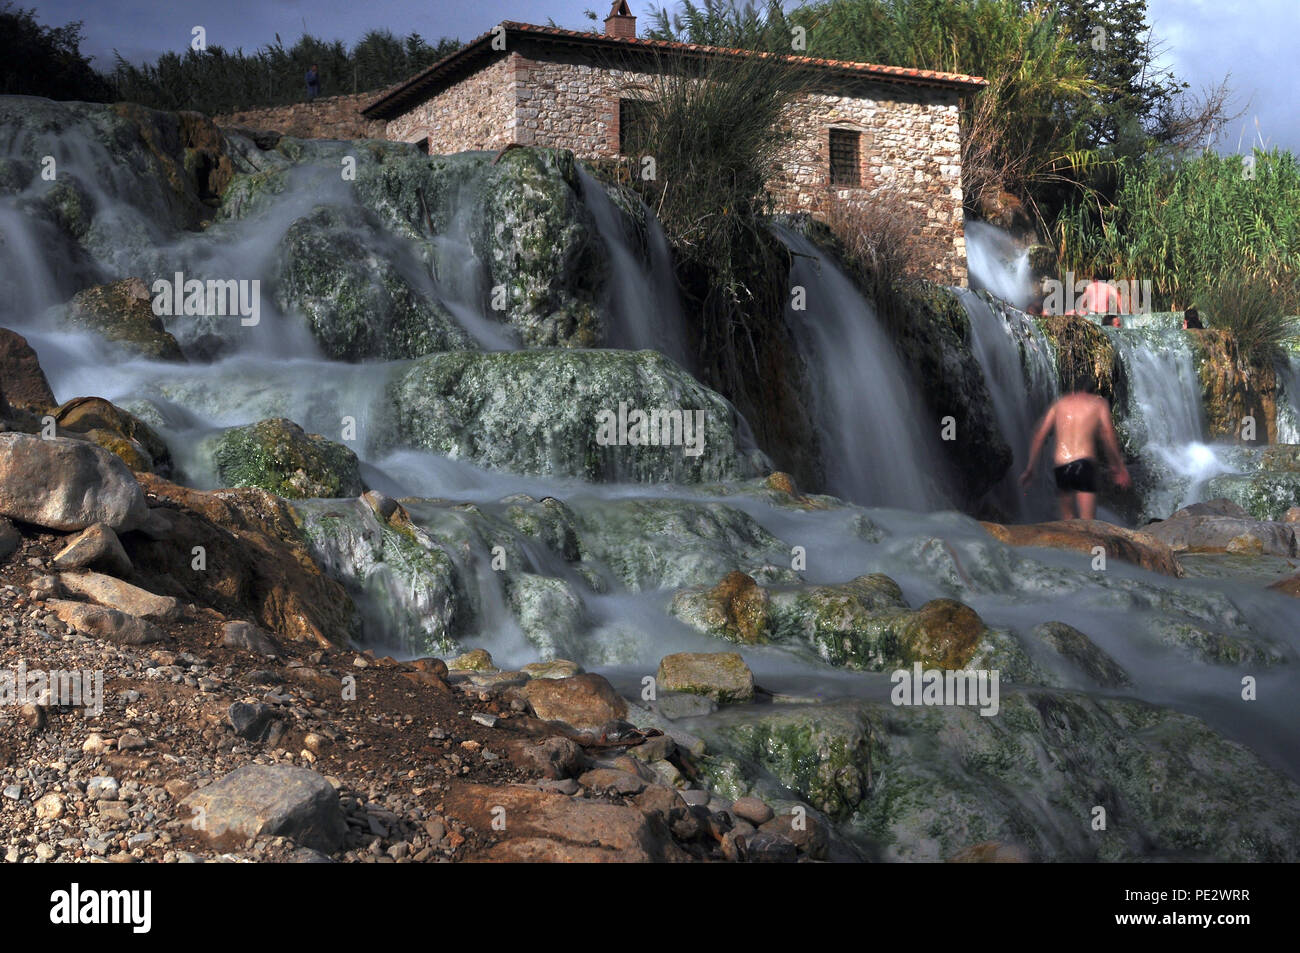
(395, 99)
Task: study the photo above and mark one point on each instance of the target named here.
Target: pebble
(50, 807)
(753, 810)
(484, 719)
(102, 789)
(94, 745)
(13, 792)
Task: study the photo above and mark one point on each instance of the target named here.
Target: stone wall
(336, 117)
(479, 112)
(910, 138)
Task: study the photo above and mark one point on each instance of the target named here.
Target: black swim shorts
(1077, 476)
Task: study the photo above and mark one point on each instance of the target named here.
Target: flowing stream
(881, 455)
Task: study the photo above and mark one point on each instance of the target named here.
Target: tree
(45, 61)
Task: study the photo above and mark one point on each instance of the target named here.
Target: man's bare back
(1080, 420)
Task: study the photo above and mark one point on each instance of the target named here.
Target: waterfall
(875, 441)
(1288, 399)
(1020, 373)
(644, 309)
(998, 265)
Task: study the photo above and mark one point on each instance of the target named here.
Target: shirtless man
(1079, 419)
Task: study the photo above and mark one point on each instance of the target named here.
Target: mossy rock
(1085, 358)
(278, 456)
(339, 269)
(117, 431)
(123, 313)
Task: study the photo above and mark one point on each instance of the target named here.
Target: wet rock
(255, 560)
(804, 828)
(66, 484)
(1081, 652)
(612, 781)
(351, 282)
(483, 407)
(555, 757)
(1223, 534)
(722, 676)
(279, 456)
(269, 800)
(96, 545)
(585, 702)
(123, 313)
(117, 431)
(556, 668)
(674, 705)
(991, 852)
(1141, 548)
(735, 609)
(475, 660)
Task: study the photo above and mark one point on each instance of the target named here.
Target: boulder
(117, 431)
(558, 412)
(247, 637)
(586, 702)
(22, 382)
(67, 485)
(735, 609)
(540, 826)
(122, 312)
(475, 660)
(352, 283)
(100, 622)
(96, 545)
(244, 552)
(121, 596)
(1139, 548)
(260, 800)
(1225, 534)
(279, 456)
(722, 676)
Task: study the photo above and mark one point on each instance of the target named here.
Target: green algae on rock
(278, 456)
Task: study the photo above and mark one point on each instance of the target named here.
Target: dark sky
(1253, 40)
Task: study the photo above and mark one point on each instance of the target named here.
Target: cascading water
(1020, 373)
(1165, 424)
(997, 264)
(609, 598)
(874, 440)
(645, 310)
(1288, 399)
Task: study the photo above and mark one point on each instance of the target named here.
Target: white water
(1020, 373)
(998, 265)
(878, 451)
(645, 310)
(877, 447)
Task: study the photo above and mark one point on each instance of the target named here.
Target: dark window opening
(845, 168)
(632, 126)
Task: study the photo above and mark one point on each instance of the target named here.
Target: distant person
(313, 83)
(1192, 320)
(1100, 297)
(1080, 419)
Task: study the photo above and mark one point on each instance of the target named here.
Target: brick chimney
(620, 22)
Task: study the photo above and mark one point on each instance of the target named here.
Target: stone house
(858, 127)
